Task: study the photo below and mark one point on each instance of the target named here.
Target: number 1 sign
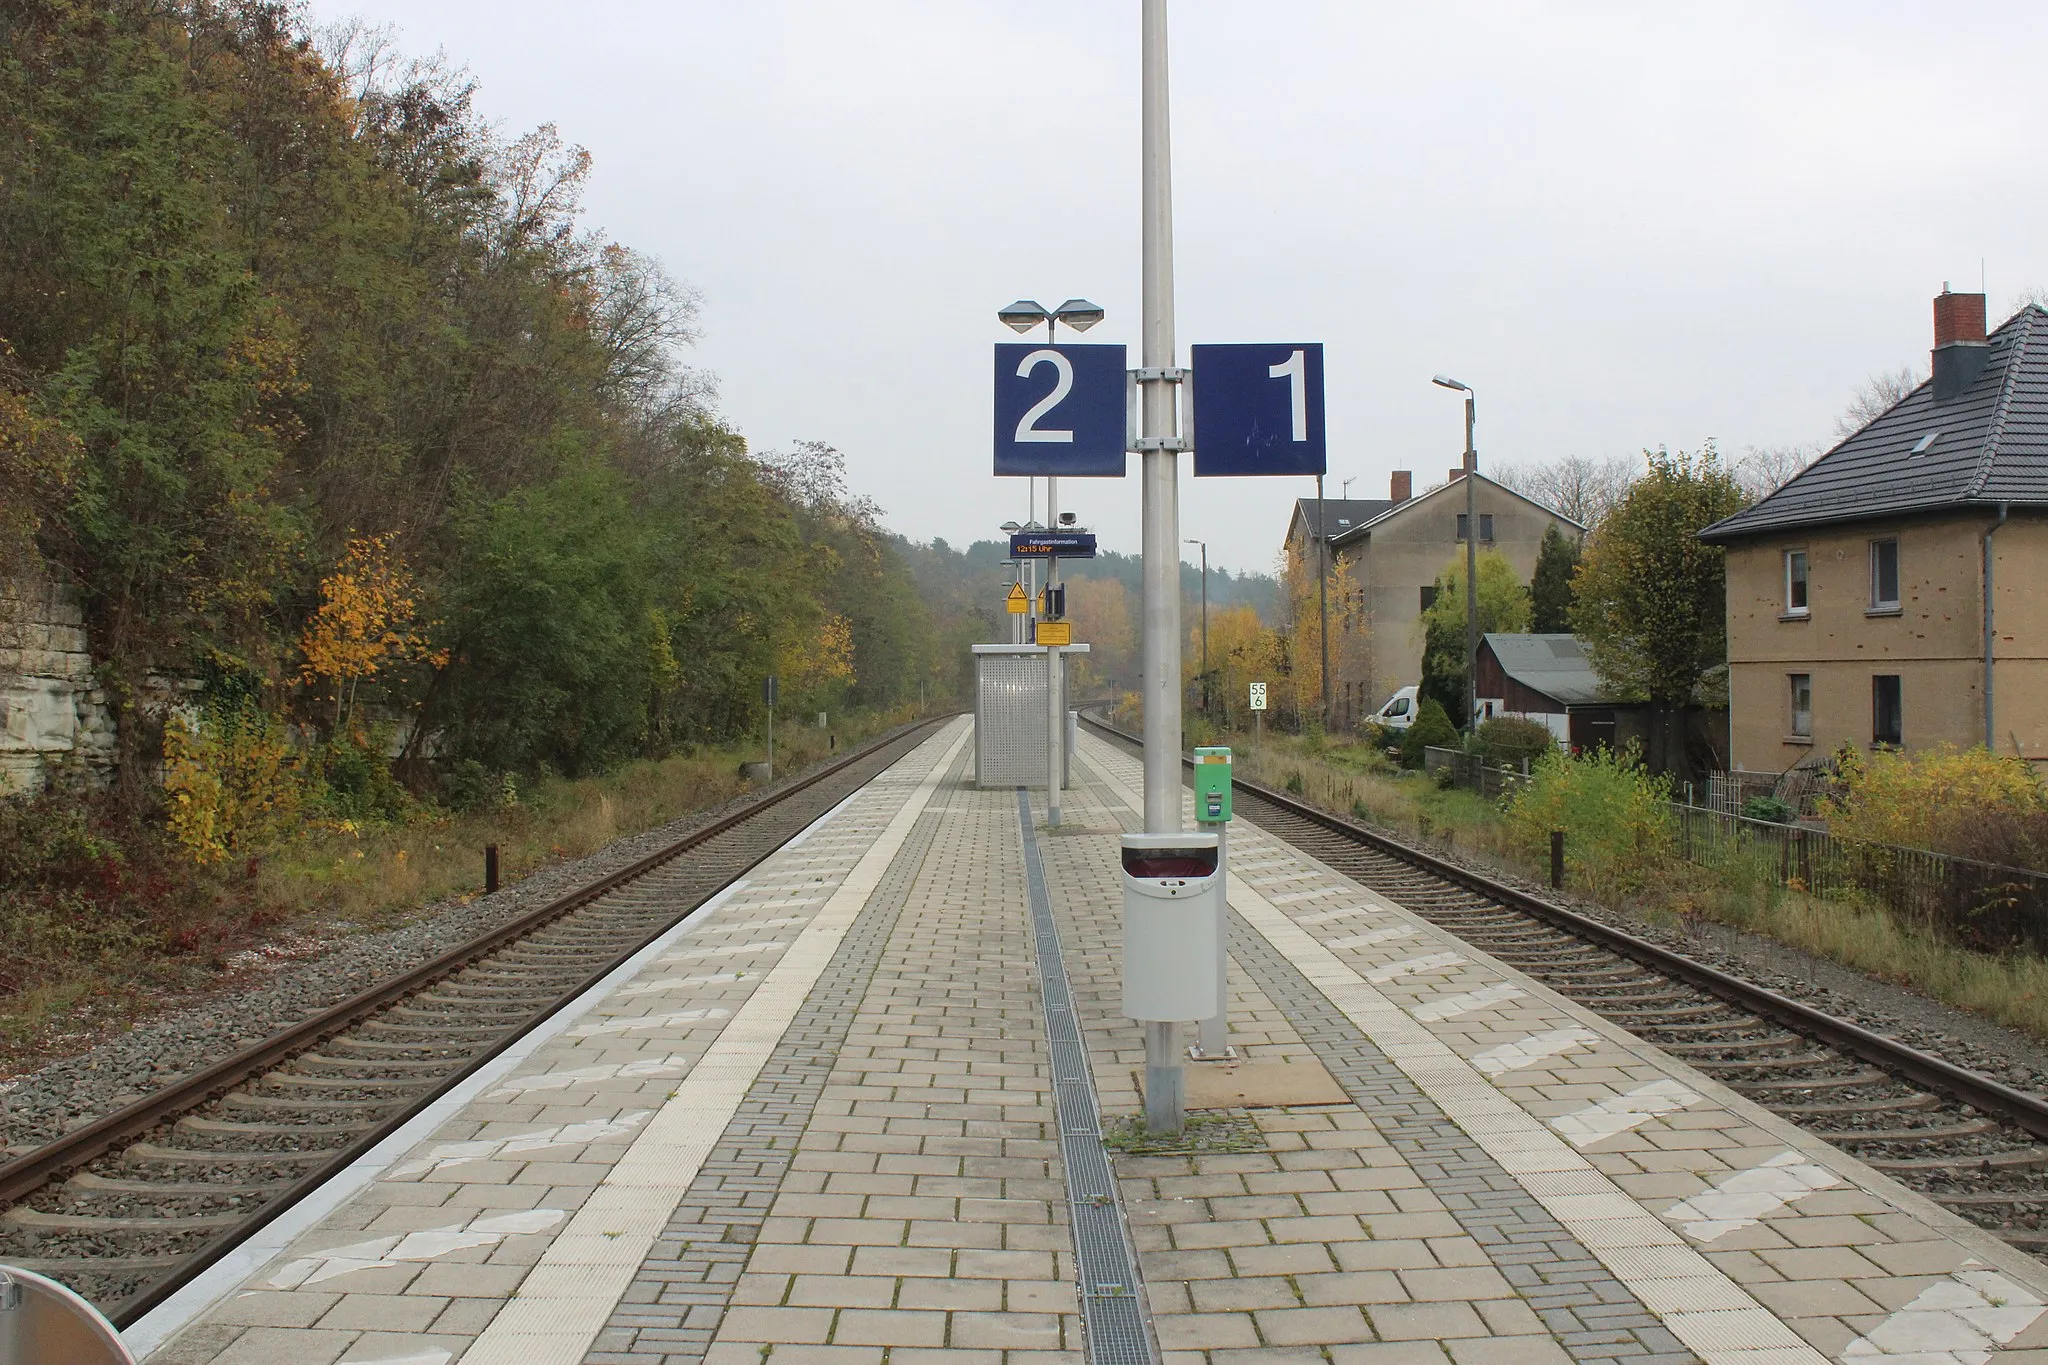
(1259, 409)
(1060, 410)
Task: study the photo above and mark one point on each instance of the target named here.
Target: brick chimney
(1457, 473)
(1403, 485)
(1960, 349)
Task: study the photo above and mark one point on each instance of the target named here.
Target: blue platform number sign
(1060, 410)
(1259, 409)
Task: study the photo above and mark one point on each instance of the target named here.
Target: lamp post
(1471, 554)
(1323, 601)
(1205, 621)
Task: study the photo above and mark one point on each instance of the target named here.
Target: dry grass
(369, 877)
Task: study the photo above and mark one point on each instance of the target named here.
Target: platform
(816, 1125)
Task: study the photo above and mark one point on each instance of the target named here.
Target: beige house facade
(1888, 646)
(1392, 562)
(1858, 592)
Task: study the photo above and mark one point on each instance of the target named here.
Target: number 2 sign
(1060, 410)
(1259, 409)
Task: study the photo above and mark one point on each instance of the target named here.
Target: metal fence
(1473, 772)
(1984, 905)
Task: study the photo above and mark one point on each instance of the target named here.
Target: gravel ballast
(289, 979)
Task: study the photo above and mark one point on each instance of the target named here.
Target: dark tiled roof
(1990, 445)
(1340, 514)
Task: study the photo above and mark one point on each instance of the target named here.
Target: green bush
(1615, 816)
(1432, 727)
(1507, 740)
(358, 781)
(1381, 737)
(1767, 808)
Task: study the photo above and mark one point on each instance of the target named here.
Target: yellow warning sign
(1055, 632)
(1018, 603)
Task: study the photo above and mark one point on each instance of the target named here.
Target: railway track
(1968, 1142)
(130, 1208)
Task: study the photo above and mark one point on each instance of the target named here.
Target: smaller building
(1541, 678)
(1549, 679)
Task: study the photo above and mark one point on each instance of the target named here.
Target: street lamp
(1471, 554)
(1205, 621)
(1025, 314)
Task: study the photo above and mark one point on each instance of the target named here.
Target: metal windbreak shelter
(1011, 714)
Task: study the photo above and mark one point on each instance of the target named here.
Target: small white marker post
(1258, 713)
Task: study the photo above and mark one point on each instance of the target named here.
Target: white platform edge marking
(1743, 1198)
(1522, 1144)
(228, 1274)
(1537, 1047)
(1961, 1320)
(569, 1294)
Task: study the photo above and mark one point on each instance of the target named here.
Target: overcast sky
(1625, 225)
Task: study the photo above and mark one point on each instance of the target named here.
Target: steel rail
(66, 1154)
(2029, 1112)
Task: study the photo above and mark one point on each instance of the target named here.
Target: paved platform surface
(817, 1126)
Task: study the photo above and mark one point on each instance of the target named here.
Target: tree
(1574, 486)
(1503, 609)
(1652, 596)
(1762, 471)
(1304, 645)
(1550, 588)
(368, 608)
(1431, 728)
(1242, 651)
(1873, 398)
(1100, 609)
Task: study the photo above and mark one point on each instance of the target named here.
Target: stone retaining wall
(53, 716)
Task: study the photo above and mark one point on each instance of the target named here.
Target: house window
(1428, 596)
(1887, 721)
(1802, 705)
(1464, 527)
(1795, 582)
(1884, 575)
(1486, 527)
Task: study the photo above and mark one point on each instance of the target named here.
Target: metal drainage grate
(1112, 1301)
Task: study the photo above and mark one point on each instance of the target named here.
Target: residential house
(1391, 559)
(1891, 594)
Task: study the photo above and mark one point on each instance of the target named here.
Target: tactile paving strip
(1112, 1297)
(673, 1309)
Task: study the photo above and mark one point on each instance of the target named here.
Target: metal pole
(1471, 572)
(1205, 628)
(1323, 598)
(1055, 732)
(1212, 1036)
(1165, 1093)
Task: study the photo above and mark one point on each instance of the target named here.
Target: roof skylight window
(1925, 443)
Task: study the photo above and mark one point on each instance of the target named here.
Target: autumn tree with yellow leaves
(365, 624)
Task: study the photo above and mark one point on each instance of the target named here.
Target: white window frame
(1805, 581)
(1798, 731)
(1878, 604)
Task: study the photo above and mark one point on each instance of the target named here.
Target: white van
(1399, 712)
